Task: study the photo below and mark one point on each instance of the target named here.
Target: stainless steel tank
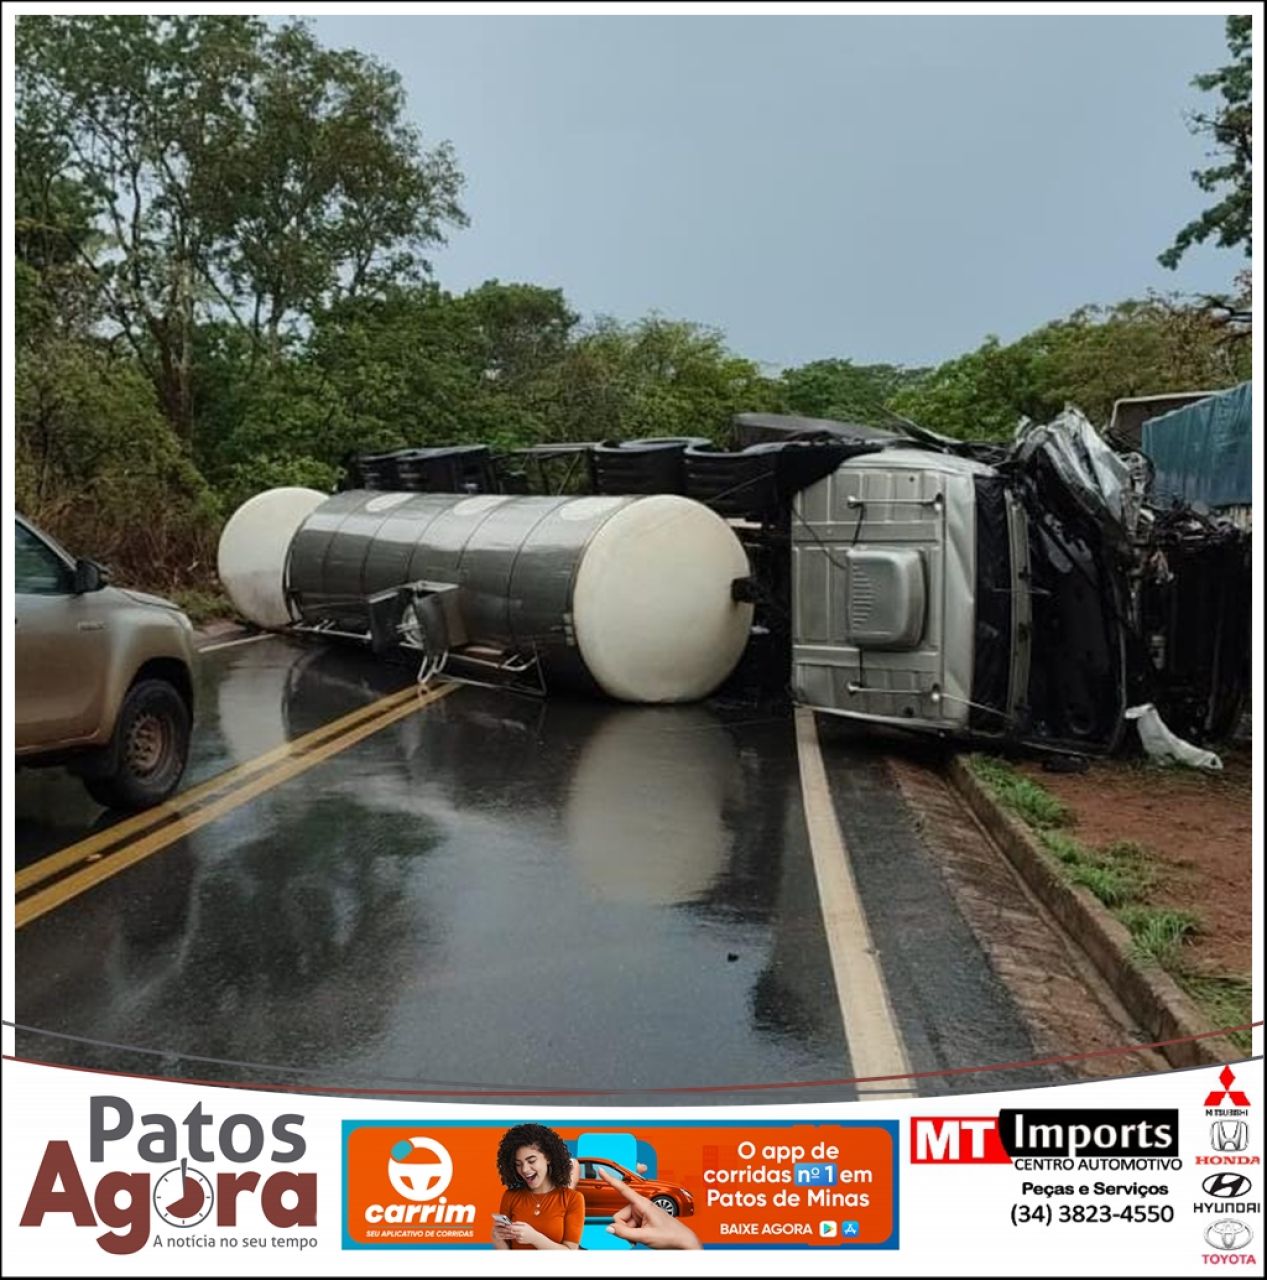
(629, 596)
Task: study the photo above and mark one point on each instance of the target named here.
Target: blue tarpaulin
(1202, 451)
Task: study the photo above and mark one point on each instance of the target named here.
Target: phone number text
(1047, 1215)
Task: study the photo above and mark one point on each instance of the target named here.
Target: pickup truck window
(37, 569)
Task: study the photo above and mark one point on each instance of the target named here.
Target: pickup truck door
(61, 649)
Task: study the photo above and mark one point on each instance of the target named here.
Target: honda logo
(1226, 1186)
(1229, 1135)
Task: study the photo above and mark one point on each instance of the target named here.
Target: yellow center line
(46, 900)
(181, 804)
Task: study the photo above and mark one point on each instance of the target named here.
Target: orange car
(601, 1200)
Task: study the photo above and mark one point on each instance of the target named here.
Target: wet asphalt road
(497, 894)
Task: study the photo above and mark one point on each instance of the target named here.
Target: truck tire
(147, 754)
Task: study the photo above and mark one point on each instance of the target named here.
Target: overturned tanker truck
(1026, 593)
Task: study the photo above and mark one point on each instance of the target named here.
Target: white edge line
(230, 644)
(874, 1040)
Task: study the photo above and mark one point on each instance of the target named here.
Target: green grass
(1066, 848)
(1117, 873)
(1107, 883)
(1225, 999)
(1158, 933)
(1120, 875)
(202, 605)
(1034, 806)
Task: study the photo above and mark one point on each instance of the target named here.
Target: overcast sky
(885, 189)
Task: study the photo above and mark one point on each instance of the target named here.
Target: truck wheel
(146, 756)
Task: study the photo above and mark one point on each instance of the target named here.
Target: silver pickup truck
(104, 676)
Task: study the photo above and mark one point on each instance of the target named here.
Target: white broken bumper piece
(1166, 747)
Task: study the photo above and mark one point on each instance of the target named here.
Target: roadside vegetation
(204, 605)
(222, 285)
(1122, 875)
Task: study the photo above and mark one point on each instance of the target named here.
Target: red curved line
(476, 1091)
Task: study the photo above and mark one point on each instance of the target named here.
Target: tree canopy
(1230, 125)
(846, 391)
(1090, 358)
(242, 172)
(222, 285)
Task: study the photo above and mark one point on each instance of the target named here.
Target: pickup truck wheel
(146, 756)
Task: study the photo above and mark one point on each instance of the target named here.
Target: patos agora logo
(218, 1172)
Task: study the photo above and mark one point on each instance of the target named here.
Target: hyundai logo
(1228, 1234)
(1226, 1186)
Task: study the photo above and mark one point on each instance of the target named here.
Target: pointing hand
(642, 1222)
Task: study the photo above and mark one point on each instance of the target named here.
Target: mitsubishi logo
(1234, 1096)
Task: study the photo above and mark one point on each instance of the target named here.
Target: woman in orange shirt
(543, 1211)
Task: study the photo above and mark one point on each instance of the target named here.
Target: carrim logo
(1226, 1186)
(1229, 1135)
(420, 1170)
(1228, 1235)
(421, 1179)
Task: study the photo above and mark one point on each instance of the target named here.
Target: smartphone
(501, 1219)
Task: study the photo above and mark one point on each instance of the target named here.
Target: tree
(330, 194)
(1091, 358)
(523, 328)
(1231, 127)
(976, 396)
(845, 391)
(1138, 347)
(98, 466)
(54, 229)
(372, 373)
(245, 174)
(654, 377)
(412, 366)
(518, 337)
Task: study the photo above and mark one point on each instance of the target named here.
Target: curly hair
(558, 1158)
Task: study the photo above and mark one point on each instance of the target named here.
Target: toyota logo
(1228, 1235)
(1226, 1186)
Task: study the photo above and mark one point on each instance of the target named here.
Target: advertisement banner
(112, 1175)
(799, 1185)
